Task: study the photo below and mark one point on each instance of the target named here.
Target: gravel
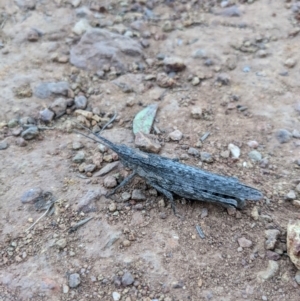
(74, 280)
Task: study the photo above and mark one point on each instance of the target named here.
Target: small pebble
(271, 236)
(127, 279)
(253, 144)
(176, 135)
(31, 196)
(3, 145)
(116, 296)
(296, 134)
(62, 243)
(30, 133)
(110, 182)
(196, 113)
(138, 195)
(244, 242)
(255, 155)
(290, 63)
(21, 142)
(270, 272)
(46, 115)
(234, 150)
(77, 145)
(13, 123)
(126, 243)
(283, 136)
(126, 196)
(297, 277)
(74, 280)
(112, 207)
(290, 196)
(79, 157)
(206, 157)
(80, 102)
(204, 213)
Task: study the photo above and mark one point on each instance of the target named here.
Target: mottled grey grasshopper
(168, 176)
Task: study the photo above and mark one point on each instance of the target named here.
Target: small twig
(79, 224)
(109, 122)
(49, 207)
(200, 232)
(205, 136)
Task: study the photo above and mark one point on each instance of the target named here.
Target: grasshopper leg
(123, 183)
(167, 194)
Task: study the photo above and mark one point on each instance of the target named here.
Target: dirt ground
(241, 68)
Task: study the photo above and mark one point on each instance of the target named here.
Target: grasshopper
(169, 176)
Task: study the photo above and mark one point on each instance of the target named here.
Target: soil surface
(230, 68)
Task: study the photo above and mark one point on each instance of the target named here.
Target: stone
(283, 136)
(273, 255)
(46, 115)
(293, 242)
(77, 145)
(234, 150)
(80, 102)
(255, 213)
(253, 144)
(65, 289)
(79, 157)
(298, 188)
(13, 123)
(30, 133)
(270, 272)
(81, 27)
(206, 157)
(296, 203)
(176, 135)
(290, 196)
(193, 151)
(244, 242)
(164, 81)
(138, 195)
(74, 280)
(127, 279)
(126, 243)
(116, 296)
(195, 81)
(86, 114)
(31, 196)
(255, 156)
(89, 167)
(21, 142)
(200, 53)
(297, 277)
(204, 213)
(225, 154)
(110, 182)
(26, 4)
(99, 47)
(59, 107)
(3, 145)
(196, 113)
(290, 63)
(106, 169)
(173, 64)
(61, 243)
(223, 79)
(126, 196)
(47, 89)
(33, 35)
(112, 207)
(231, 211)
(231, 11)
(271, 236)
(145, 143)
(296, 134)
(85, 202)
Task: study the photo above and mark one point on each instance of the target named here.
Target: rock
(46, 115)
(225, 154)
(138, 195)
(204, 213)
(45, 90)
(270, 272)
(33, 35)
(59, 107)
(271, 236)
(81, 27)
(13, 123)
(74, 280)
(244, 242)
(176, 135)
(290, 63)
(206, 157)
(80, 102)
(161, 203)
(193, 151)
(296, 134)
(231, 11)
(164, 81)
(85, 203)
(102, 148)
(89, 167)
(253, 144)
(296, 203)
(75, 3)
(116, 296)
(99, 47)
(293, 242)
(200, 53)
(127, 279)
(77, 145)
(262, 53)
(195, 81)
(30, 133)
(255, 213)
(21, 142)
(290, 196)
(65, 289)
(173, 64)
(145, 143)
(297, 277)
(31, 195)
(106, 169)
(283, 136)
(223, 79)
(196, 113)
(126, 196)
(126, 243)
(167, 26)
(110, 182)
(112, 207)
(255, 155)
(26, 4)
(231, 211)
(234, 150)
(61, 243)
(79, 157)
(273, 255)
(298, 188)
(3, 145)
